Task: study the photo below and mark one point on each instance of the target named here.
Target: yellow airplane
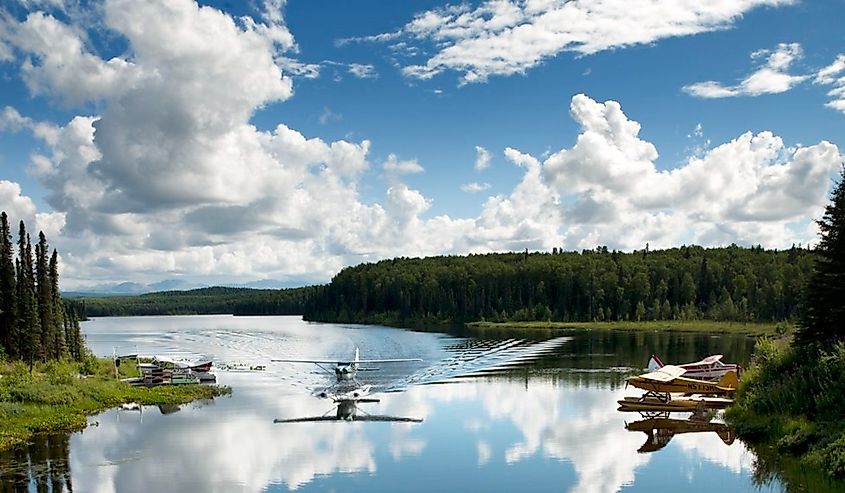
(660, 384)
(661, 430)
(669, 379)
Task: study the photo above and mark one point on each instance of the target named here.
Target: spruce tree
(45, 299)
(28, 327)
(7, 289)
(75, 342)
(56, 330)
(824, 312)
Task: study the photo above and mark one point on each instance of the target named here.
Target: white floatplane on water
(345, 370)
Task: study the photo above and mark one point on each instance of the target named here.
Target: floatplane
(709, 368)
(662, 383)
(346, 370)
(347, 392)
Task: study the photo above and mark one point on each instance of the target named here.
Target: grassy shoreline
(790, 401)
(57, 397)
(755, 329)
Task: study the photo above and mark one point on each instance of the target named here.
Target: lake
(530, 411)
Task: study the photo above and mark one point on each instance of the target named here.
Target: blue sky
(230, 141)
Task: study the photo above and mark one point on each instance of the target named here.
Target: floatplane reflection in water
(347, 410)
(660, 429)
(347, 392)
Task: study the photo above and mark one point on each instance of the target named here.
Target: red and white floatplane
(710, 368)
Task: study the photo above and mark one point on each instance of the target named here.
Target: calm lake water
(533, 412)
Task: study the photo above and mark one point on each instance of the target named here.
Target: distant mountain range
(134, 288)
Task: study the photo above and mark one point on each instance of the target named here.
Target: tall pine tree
(8, 324)
(824, 311)
(28, 331)
(44, 296)
(56, 322)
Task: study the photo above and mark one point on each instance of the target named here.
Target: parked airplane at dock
(709, 368)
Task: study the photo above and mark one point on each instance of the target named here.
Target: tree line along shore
(49, 380)
(732, 288)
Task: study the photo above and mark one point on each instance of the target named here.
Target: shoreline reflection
(43, 464)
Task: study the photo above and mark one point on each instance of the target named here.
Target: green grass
(708, 326)
(59, 396)
(792, 402)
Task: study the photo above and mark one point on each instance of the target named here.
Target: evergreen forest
(34, 324)
(203, 301)
(687, 283)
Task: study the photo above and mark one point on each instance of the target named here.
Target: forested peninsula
(49, 380)
(203, 301)
(688, 283)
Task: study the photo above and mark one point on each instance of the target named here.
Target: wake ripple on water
(478, 356)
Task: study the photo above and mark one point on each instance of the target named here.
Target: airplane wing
(343, 362)
(665, 374)
(395, 419)
(710, 359)
(395, 360)
(315, 419)
(310, 419)
(314, 361)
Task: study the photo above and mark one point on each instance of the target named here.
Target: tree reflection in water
(43, 465)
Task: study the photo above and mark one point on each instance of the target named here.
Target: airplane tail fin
(654, 363)
(729, 381)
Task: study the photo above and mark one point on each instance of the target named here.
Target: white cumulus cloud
(170, 177)
(834, 74)
(482, 158)
(746, 190)
(771, 77)
(475, 187)
(395, 165)
(506, 37)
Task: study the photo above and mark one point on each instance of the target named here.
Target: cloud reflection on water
(559, 422)
(234, 445)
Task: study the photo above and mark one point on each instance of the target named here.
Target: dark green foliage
(57, 330)
(28, 327)
(33, 323)
(53, 397)
(45, 299)
(793, 399)
(690, 282)
(8, 289)
(824, 319)
(205, 301)
(793, 395)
